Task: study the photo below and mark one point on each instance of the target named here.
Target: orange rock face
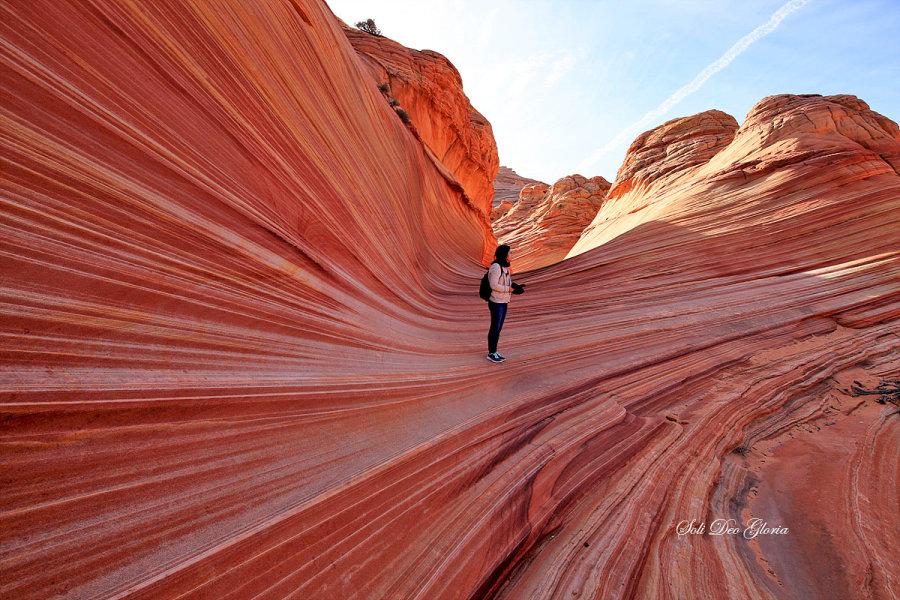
(243, 356)
(428, 87)
(546, 221)
(501, 209)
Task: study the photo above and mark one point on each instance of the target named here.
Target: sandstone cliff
(546, 221)
(429, 88)
(242, 355)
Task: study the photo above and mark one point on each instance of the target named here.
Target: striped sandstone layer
(242, 355)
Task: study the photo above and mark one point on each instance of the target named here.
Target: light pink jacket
(501, 283)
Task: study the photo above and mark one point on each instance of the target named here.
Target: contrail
(696, 83)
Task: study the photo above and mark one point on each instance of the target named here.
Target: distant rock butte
(242, 354)
(508, 184)
(429, 88)
(788, 148)
(546, 221)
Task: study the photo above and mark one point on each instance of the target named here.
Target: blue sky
(567, 84)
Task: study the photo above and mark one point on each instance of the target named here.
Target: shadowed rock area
(243, 354)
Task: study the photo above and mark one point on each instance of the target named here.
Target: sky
(568, 84)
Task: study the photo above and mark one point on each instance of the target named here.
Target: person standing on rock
(502, 288)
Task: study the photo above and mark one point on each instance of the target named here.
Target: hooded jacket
(501, 283)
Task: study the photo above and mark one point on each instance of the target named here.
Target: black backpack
(485, 290)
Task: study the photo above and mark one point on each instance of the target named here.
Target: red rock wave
(243, 355)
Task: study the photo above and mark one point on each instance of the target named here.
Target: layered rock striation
(546, 221)
(211, 218)
(242, 354)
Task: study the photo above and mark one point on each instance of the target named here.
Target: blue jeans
(498, 315)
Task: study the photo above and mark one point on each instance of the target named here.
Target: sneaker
(500, 355)
(494, 357)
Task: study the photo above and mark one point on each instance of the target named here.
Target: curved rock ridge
(788, 147)
(508, 184)
(429, 88)
(242, 354)
(547, 220)
(666, 151)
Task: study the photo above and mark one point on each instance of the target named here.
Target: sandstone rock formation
(657, 161)
(787, 147)
(500, 209)
(547, 221)
(242, 355)
(429, 88)
(508, 184)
